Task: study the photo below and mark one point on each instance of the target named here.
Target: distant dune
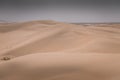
(50, 50)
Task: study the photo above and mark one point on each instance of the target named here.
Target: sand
(50, 50)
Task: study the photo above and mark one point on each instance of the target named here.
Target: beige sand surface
(50, 50)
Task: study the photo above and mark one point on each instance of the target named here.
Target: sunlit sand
(51, 50)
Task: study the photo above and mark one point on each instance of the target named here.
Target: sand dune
(50, 50)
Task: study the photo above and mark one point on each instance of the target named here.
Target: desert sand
(51, 50)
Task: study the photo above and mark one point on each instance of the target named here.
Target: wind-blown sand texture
(50, 50)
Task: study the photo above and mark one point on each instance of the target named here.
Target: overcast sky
(61, 10)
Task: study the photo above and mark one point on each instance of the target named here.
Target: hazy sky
(61, 10)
